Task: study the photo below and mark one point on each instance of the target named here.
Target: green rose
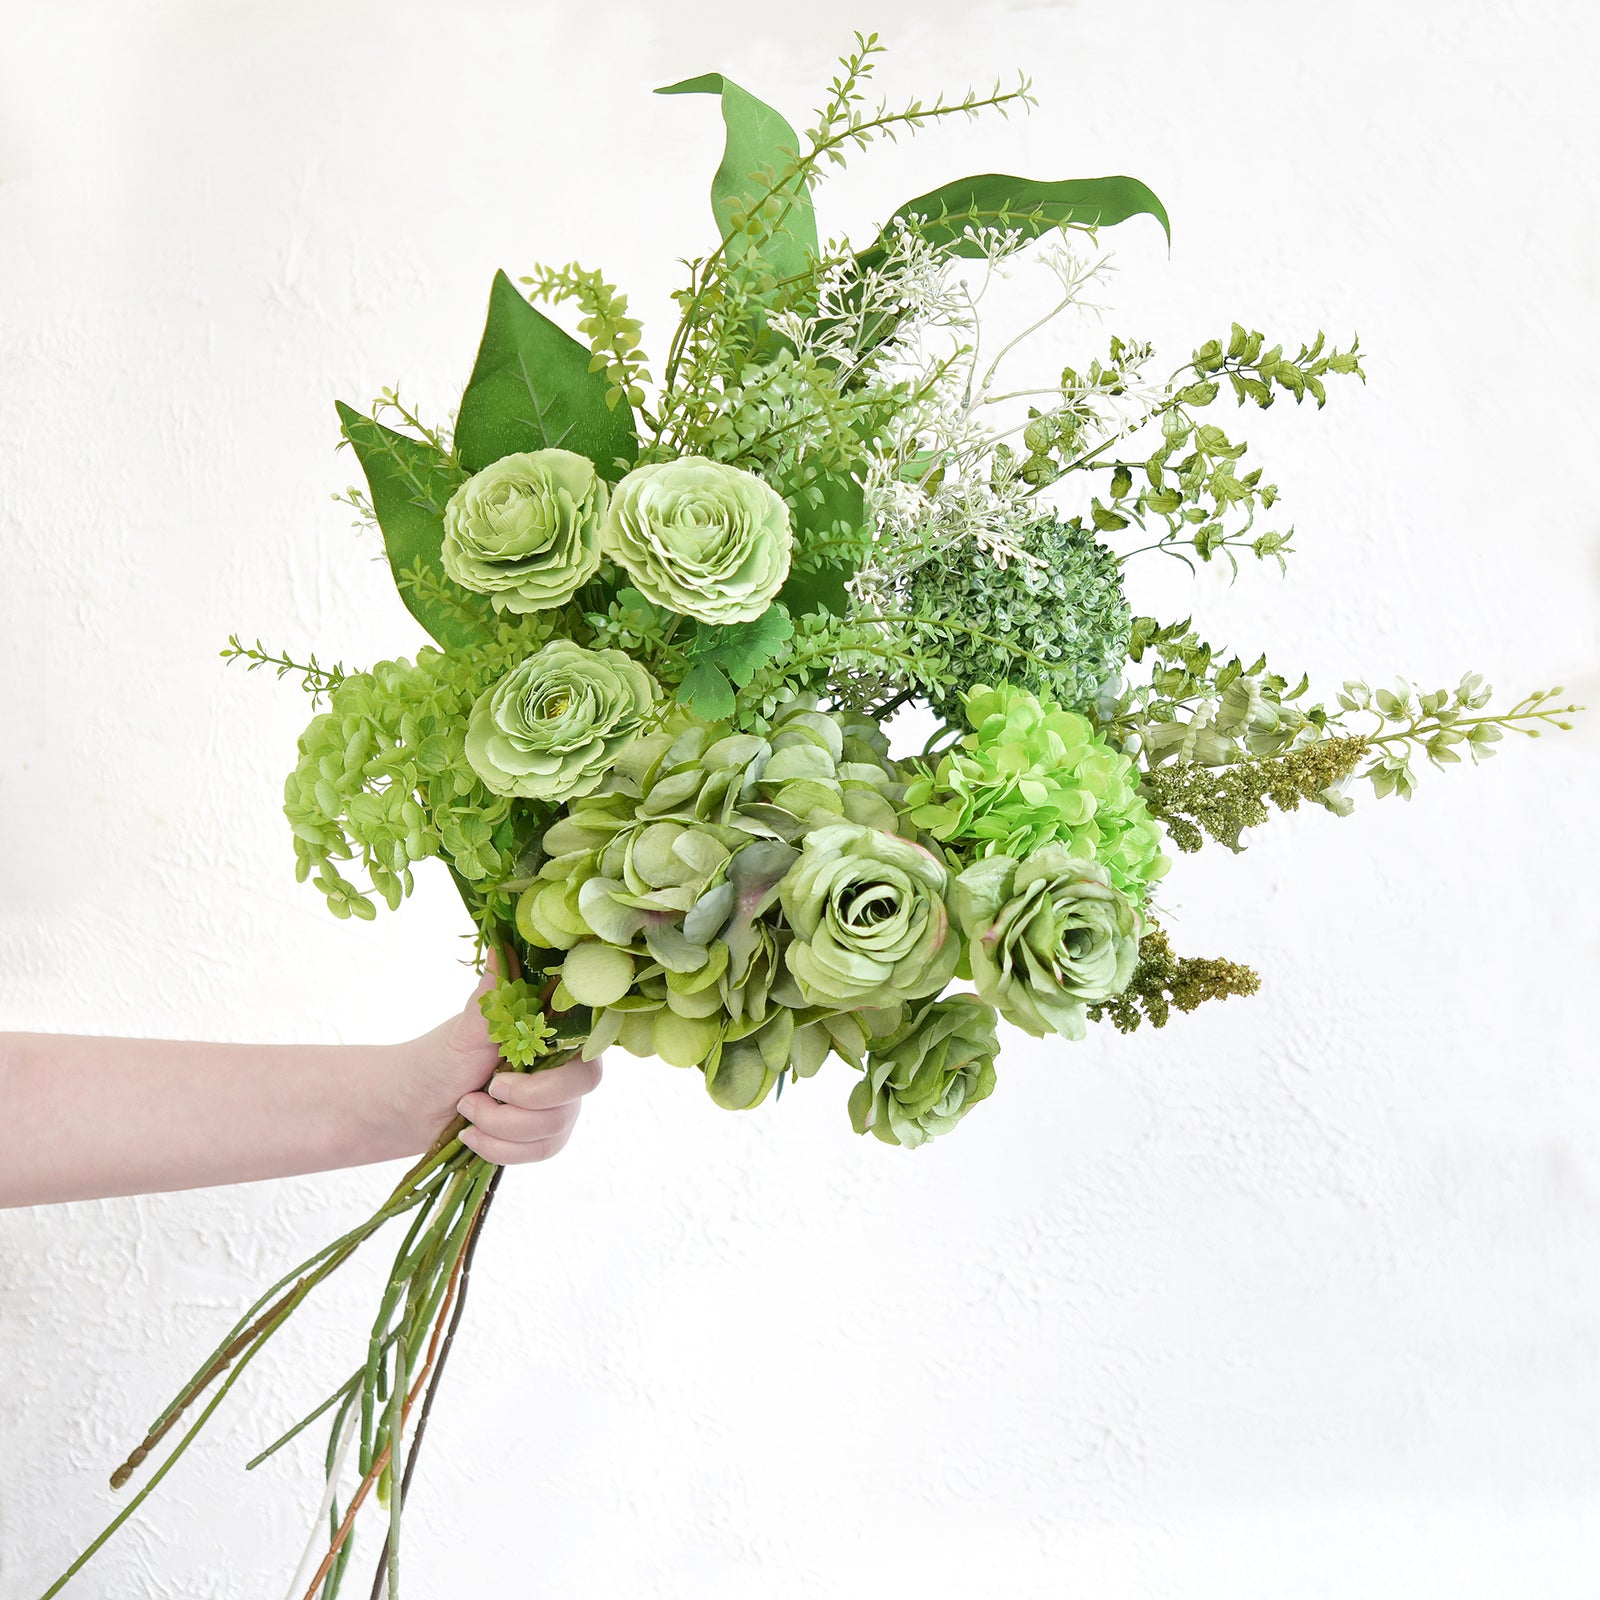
(700, 538)
(526, 530)
(869, 919)
(1048, 936)
(551, 727)
(929, 1074)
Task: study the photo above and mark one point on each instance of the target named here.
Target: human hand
(514, 1116)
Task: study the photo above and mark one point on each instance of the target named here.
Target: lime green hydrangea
(700, 538)
(1063, 609)
(1031, 774)
(526, 530)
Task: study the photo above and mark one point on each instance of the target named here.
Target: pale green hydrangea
(1030, 774)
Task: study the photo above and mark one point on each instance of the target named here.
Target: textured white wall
(1298, 1298)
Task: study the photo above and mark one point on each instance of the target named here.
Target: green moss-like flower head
(526, 530)
(868, 913)
(1048, 936)
(550, 728)
(1064, 608)
(1030, 774)
(700, 538)
(923, 1079)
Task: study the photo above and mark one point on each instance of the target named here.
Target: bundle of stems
(446, 1195)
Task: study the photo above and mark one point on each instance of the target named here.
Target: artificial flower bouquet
(672, 621)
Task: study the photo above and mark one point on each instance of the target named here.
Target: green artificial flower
(868, 914)
(526, 530)
(1031, 774)
(550, 728)
(685, 840)
(516, 1022)
(700, 538)
(923, 1079)
(1048, 936)
(1063, 610)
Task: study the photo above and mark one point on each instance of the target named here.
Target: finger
(506, 1153)
(512, 1122)
(555, 1086)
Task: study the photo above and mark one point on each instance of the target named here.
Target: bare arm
(84, 1118)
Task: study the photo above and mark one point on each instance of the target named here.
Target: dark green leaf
(1031, 207)
(831, 532)
(531, 389)
(410, 482)
(760, 145)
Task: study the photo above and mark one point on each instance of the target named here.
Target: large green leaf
(410, 482)
(1032, 207)
(760, 144)
(531, 389)
(829, 544)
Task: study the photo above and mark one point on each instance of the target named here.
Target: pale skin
(87, 1118)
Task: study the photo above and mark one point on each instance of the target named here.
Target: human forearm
(83, 1118)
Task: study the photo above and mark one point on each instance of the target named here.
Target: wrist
(395, 1116)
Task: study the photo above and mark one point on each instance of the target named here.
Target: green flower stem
(463, 1282)
(407, 1263)
(309, 1273)
(346, 1393)
(280, 1315)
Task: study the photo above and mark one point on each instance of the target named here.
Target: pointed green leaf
(832, 532)
(760, 144)
(1031, 207)
(410, 482)
(531, 389)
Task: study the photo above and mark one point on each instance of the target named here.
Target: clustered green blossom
(1030, 775)
(1053, 619)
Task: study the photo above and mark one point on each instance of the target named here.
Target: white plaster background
(1300, 1297)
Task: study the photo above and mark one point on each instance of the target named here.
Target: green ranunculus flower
(923, 1079)
(526, 530)
(700, 538)
(550, 728)
(869, 919)
(1048, 936)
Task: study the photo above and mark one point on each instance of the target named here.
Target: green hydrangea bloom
(1067, 612)
(659, 885)
(1031, 774)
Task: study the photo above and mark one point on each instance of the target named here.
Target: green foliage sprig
(317, 680)
(1191, 491)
